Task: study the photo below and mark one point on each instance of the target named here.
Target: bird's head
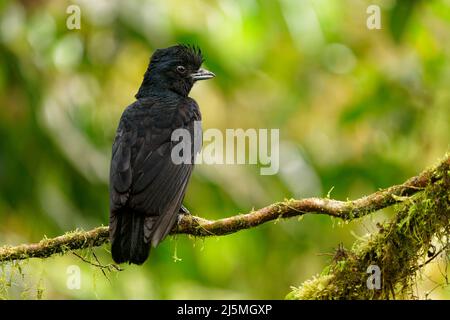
(176, 68)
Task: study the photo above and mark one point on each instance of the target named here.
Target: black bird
(146, 186)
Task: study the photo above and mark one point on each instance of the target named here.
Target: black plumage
(146, 186)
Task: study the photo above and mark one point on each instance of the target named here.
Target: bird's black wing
(143, 176)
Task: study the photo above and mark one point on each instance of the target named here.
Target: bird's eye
(181, 69)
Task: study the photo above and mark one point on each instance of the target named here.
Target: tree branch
(419, 225)
(192, 225)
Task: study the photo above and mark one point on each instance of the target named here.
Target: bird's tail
(127, 237)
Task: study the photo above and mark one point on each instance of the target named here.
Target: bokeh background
(357, 110)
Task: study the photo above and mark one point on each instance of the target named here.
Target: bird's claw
(184, 210)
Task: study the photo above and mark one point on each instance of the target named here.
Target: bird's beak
(202, 74)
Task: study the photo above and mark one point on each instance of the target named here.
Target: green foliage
(399, 249)
(359, 116)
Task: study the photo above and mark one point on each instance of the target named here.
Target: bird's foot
(182, 213)
(184, 210)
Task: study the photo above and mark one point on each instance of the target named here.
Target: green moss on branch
(396, 249)
(398, 244)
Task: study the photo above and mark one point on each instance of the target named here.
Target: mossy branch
(192, 225)
(400, 248)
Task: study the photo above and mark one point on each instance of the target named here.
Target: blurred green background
(357, 110)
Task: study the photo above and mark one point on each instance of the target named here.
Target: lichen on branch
(420, 226)
(422, 214)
